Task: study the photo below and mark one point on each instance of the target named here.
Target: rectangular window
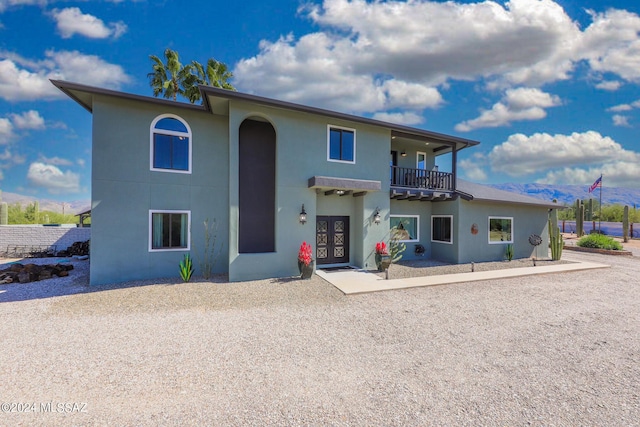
(500, 230)
(442, 228)
(341, 145)
(421, 160)
(407, 227)
(169, 230)
(170, 152)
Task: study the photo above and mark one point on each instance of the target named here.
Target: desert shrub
(599, 241)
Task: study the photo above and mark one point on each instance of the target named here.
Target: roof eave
(394, 127)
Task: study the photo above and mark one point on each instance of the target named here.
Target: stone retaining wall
(598, 251)
(38, 236)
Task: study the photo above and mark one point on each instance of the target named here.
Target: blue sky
(551, 89)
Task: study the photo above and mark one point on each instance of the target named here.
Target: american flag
(596, 184)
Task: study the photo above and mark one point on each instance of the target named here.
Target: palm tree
(216, 74)
(170, 79)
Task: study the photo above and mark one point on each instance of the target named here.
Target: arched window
(170, 144)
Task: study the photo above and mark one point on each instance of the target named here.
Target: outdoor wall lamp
(403, 154)
(376, 217)
(303, 215)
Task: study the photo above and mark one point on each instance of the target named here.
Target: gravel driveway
(552, 350)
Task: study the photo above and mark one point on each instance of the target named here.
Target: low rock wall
(21, 240)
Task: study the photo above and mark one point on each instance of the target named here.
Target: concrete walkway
(362, 281)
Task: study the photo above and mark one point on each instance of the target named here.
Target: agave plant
(186, 268)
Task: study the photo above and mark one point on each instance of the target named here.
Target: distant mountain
(74, 206)
(567, 194)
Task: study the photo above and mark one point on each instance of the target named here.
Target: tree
(173, 79)
(170, 79)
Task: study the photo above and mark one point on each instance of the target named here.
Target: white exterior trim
(153, 130)
(169, 211)
(329, 159)
(450, 231)
(417, 217)
(502, 242)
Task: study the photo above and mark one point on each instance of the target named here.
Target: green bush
(599, 241)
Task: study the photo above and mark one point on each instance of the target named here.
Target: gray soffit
(215, 100)
(343, 186)
(83, 95)
(405, 131)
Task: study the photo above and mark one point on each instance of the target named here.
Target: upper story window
(341, 145)
(170, 144)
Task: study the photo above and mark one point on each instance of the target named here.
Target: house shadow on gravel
(77, 282)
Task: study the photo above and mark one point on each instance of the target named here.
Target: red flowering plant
(304, 254)
(381, 248)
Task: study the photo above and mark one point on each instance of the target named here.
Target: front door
(332, 240)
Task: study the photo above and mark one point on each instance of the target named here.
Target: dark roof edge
(229, 94)
(68, 87)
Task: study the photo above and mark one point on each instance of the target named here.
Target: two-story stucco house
(256, 165)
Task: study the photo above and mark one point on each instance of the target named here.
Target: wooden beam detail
(360, 194)
(330, 192)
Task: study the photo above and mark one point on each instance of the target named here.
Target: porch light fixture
(376, 217)
(303, 215)
(340, 192)
(403, 154)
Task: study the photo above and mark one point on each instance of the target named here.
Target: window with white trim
(169, 230)
(442, 228)
(500, 230)
(406, 227)
(341, 144)
(170, 144)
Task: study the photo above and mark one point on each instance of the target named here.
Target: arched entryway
(257, 186)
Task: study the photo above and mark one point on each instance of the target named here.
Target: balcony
(421, 179)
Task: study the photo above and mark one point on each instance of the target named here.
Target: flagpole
(600, 216)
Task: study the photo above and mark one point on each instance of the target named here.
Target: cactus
(589, 211)
(556, 242)
(625, 224)
(508, 252)
(579, 218)
(36, 212)
(4, 213)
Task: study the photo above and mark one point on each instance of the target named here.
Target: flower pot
(383, 261)
(306, 271)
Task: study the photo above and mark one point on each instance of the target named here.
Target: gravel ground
(551, 350)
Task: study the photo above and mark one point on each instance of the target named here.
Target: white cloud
(611, 44)
(28, 120)
(620, 108)
(610, 85)
(407, 118)
(620, 120)
(6, 131)
(22, 79)
(53, 179)
(474, 169)
(12, 157)
(522, 155)
(410, 95)
(517, 104)
(625, 174)
(81, 162)
(72, 21)
(55, 161)
(5, 4)
(361, 46)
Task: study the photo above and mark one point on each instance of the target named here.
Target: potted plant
(305, 261)
(383, 259)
